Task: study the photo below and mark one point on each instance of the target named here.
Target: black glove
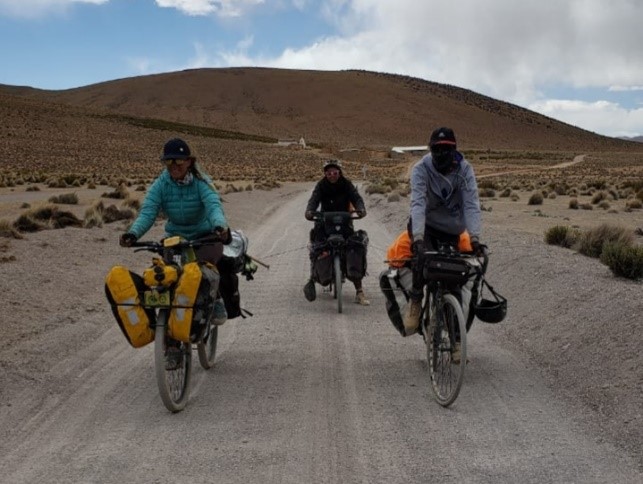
(127, 239)
(223, 234)
(310, 215)
(361, 213)
(418, 248)
(477, 247)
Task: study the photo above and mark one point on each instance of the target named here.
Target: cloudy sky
(580, 61)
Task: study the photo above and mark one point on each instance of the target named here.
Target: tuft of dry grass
(591, 242)
(7, 230)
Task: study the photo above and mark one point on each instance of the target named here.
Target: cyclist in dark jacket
(335, 193)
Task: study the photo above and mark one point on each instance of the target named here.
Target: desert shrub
(131, 203)
(113, 214)
(25, 205)
(490, 184)
(140, 188)
(515, 197)
(587, 206)
(573, 204)
(120, 192)
(639, 194)
(604, 205)
(393, 197)
(623, 260)
(91, 185)
(486, 192)
(598, 184)
(65, 198)
(634, 204)
(536, 199)
(562, 235)
(32, 188)
(590, 242)
(93, 216)
(552, 195)
(599, 197)
(249, 187)
(26, 223)
(506, 193)
(9, 231)
(377, 188)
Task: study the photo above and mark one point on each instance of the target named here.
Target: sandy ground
(569, 319)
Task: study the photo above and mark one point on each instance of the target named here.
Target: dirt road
(299, 394)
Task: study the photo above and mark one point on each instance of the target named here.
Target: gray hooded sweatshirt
(448, 203)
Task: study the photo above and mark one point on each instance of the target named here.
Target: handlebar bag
(448, 270)
(123, 288)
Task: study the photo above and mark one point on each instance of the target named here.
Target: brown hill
(333, 109)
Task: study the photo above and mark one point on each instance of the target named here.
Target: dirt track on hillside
(302, 394)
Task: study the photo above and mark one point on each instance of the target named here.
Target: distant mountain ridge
(328, 108)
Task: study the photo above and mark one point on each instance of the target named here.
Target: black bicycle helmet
(488, 310)
(333, 163)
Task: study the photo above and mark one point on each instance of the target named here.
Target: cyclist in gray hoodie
(444, 202)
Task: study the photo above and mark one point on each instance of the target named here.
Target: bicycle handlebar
(318, 215)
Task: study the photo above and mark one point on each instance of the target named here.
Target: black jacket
(335, 197)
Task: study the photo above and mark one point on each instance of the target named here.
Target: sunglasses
(177, 162)
(332, 172)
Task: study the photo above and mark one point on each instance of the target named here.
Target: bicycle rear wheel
(337, 269)
(207, 347)
(173, 365)
(446, 326)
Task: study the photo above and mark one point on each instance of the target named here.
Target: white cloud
(37, 8)
(222, 8)
(599, 116)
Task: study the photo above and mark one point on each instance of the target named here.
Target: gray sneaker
(219, 314)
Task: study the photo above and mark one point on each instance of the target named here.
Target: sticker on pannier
(123, 289)
(356, 255)
(323, 268)
(185, 293)
(396, 285)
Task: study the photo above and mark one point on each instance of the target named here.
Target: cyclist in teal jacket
(191, 203)
(185, 194)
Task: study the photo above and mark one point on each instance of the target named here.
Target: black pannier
(356, 255)
(396, 285)
(323, 267)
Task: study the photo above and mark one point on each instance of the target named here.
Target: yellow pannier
(185, 293)
(123, 289)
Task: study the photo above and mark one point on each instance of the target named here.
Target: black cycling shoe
(309, 290)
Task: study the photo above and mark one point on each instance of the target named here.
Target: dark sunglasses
(177, 162)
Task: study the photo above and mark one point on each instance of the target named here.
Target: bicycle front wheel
(447, 330)
(173, 365)
(207, 347)
(337, 268)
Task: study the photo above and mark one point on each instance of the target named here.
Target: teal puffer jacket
(192, 210)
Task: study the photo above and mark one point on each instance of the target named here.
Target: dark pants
(433, 239)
